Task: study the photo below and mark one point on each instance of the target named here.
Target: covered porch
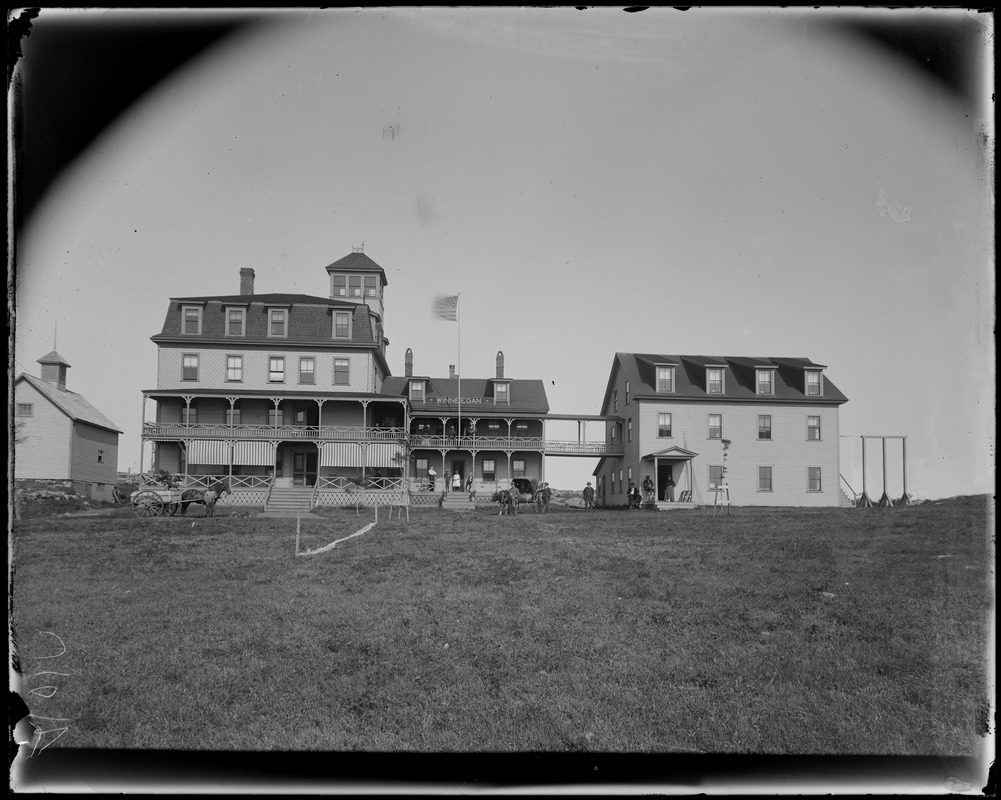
(674, 479)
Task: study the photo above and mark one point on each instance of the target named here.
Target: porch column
(364, 416)
(142, 439)
(319, 415)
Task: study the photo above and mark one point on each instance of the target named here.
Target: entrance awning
(679, 453)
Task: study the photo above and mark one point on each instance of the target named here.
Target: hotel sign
(466, 401)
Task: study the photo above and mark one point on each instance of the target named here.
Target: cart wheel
(147, 504)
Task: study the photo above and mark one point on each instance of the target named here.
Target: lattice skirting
(245, 497)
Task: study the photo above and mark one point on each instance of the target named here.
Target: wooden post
(297, 534)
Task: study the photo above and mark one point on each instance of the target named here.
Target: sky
(743, 182)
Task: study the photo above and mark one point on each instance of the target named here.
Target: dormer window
(277, 322)
(714, 380)
(416, 391)
(814, 382)
(191, 317)
(502, 393)
(665, 379)
(342, 325)
(235, 321)
(765, 380)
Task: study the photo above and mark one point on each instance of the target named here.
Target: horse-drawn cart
(156, 501)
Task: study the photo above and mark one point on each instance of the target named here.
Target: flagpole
(458, 360)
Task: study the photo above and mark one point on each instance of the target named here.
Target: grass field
(780, 631)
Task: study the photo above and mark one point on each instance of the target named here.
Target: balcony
(156, 430)
(316, 433)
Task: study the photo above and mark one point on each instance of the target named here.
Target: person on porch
(669, 487)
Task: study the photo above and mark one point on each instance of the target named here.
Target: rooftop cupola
(54, 368)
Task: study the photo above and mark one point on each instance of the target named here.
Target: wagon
(155, 501)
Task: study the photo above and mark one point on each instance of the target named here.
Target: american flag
(446, 307)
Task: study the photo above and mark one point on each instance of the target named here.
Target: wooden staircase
(298, 498)
(457, 501)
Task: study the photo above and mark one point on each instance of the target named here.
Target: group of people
(453, 482)
(633, 495)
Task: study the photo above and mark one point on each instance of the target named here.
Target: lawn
(766, 631)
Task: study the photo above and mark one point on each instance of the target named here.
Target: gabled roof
(357, 262)
(526, 396)
(672, 452)
(73, 405)
(640, 369)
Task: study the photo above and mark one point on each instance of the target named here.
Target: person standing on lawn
(648, 489)
(589, 496)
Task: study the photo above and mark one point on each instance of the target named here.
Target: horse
(542, 497)
(206, 497)
(508, 499)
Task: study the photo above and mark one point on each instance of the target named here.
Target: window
(764, 479)
(714, 380)
(416, 391)
(371, 286)
(276, 322)
(100, 456)
(25, 409)
(342, 325)
(340, 288)
(627, 392)
(276, 417)
(276, 369)
(622, 486)
(502, 393)
(234, 368)
(299, 415)
(813, 479)
(234, 321)
(629, 474)
(493, 428)
(715, 476)
(813, 428)
(813, 383)
(715, 426)
(192, 316)
(189, 367)
(518, 466)
(354, 286)
(613, 482)
(611, 433)
(232, 416)
(764, 426)
(765, 381)
(489, 469)
(521, 428)
(342, 376)
(664, 426)
(629, 429)
(665, 379)
(307, 369)
(189, 415)
(421, 467)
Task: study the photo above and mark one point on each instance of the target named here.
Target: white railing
(353, 433)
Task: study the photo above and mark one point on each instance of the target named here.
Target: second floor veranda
(353, 433)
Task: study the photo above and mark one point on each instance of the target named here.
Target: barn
(60, 435)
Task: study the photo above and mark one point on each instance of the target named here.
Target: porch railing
(179, 431)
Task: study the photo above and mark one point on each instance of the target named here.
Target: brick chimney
(500, 363)
(451, 370)
(246, 280)
(408, 363)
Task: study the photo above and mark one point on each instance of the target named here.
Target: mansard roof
(526, 396)
(310, 321)
(740, 380)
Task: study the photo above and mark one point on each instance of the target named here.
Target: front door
(304, 469)
(665, 480)
(457, 468)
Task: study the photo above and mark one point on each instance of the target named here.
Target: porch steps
(290, 499)
(844, 500)
(457, 501)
